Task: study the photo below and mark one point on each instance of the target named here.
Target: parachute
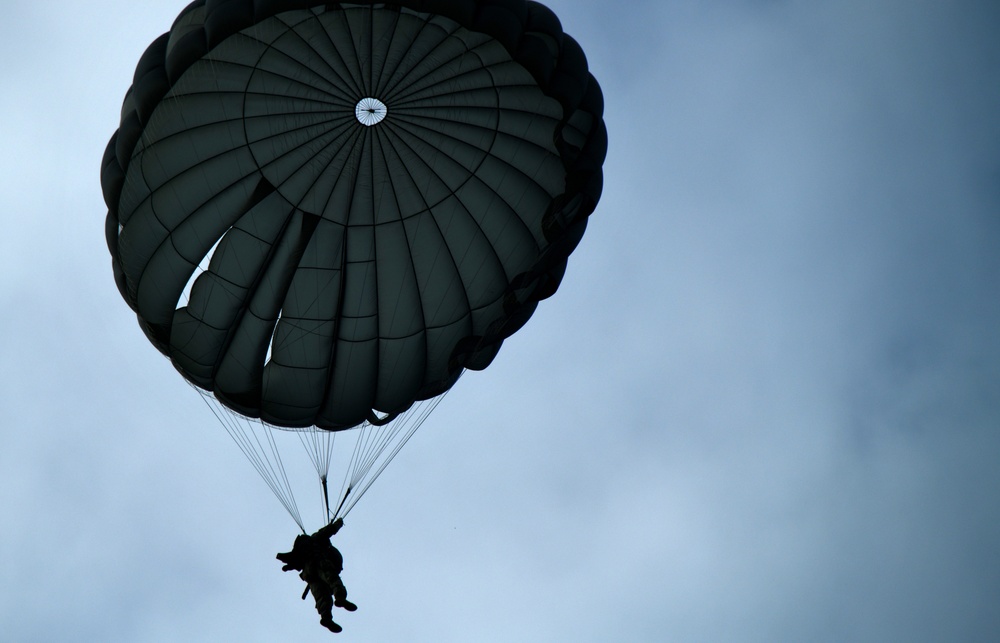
(323, 213)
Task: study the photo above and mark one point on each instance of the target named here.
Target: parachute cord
(326, 497)
(343, 500)
(373, 450)
(362, 478)
(318, 445)
(271, 470)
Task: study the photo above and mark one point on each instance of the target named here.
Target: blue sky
(764, 404)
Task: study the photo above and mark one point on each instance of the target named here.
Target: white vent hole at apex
(370, 111)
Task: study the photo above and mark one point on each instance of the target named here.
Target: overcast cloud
(764, 405)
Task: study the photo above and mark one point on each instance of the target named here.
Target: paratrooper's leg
(324, 605)
(340, 596)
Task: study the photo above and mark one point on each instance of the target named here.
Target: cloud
(762, 406)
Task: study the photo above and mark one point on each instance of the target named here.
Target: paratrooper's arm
(329, 530)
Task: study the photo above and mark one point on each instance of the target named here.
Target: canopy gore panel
(324, 211)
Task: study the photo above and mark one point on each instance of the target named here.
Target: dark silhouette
(273, 157)
(319, 564)
(499, 152)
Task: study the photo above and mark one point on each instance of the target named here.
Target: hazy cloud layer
(765, 404)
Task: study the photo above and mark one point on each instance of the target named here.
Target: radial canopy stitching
(377, 196)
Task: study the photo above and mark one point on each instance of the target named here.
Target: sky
(763, 406)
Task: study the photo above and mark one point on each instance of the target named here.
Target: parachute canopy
(323, 212)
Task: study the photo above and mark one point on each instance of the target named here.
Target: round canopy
(320, 211)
